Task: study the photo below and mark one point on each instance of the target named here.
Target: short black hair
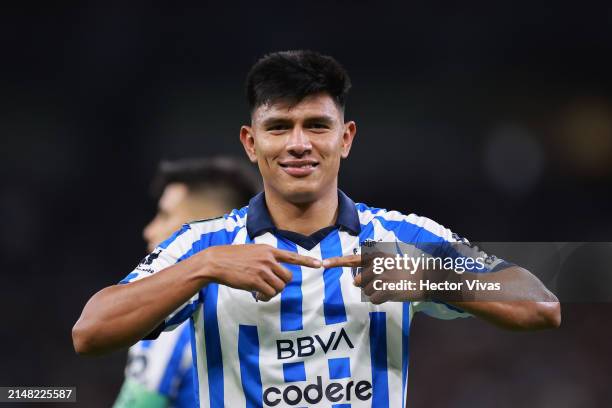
(290, 76)
(238, 180)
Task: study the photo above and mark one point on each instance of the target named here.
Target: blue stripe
(248, 354)
(196, 380)
(367, 232)
(405, 339)
(237, 214)
(293, 372)
(425, 240)
(128, 278)
(339, 368)
(291, 296)
(174, 236)
(212, 340)
(183, 314)
(221, 237)
(361, 207)
(333, 303)
(378, 356)
(174, 364)
(186, 392)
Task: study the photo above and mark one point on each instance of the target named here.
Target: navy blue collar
(260, 221)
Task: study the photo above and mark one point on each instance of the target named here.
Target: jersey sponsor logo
(307, 345)
(143, 266)
(313, 393)
(300, 390)
(148, 260)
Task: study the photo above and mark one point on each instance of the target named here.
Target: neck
(303, 218)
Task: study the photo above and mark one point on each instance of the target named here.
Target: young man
(310, 341)
(159, 373)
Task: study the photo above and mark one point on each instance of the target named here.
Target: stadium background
(495, 120)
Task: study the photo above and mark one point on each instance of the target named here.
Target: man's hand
(253, 267)
(380, 287)
(542, 312)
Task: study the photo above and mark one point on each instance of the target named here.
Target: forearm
(517, 315)
(120, 315)
(522, 303)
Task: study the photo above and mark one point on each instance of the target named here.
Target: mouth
(299, 168)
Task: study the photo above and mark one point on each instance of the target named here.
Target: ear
(350, 128)
(248, 142)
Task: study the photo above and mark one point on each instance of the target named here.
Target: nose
(299, 142)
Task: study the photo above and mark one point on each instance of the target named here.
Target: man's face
(177, 206)
(298, 149)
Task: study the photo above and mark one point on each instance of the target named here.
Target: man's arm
(523, 303)
(120, 315)
(541, 311)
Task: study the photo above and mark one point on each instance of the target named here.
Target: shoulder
(407, 228)
(230, 221)
(220, 230)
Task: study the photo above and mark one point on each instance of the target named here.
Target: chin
(301, 193)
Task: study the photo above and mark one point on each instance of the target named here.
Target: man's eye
(319, 126)
(277, 128)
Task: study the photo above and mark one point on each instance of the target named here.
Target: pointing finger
(296, 259)
(349, 260)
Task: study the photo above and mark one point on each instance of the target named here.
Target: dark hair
(290, 76)
(238, 180)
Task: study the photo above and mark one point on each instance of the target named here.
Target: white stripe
(237, 312)
(266, 315)
(198, 322)
(215, 225)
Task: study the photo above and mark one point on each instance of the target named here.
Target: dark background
(492, 119)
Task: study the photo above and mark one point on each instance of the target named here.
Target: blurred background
(494, 119)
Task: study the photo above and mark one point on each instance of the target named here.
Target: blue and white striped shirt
(165, 366)
(315, 344)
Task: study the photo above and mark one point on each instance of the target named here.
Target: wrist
(202, 270)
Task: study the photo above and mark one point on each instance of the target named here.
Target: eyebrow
(321, 118)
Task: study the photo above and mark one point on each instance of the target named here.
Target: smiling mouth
(298, 165)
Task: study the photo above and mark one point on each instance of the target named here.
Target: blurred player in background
(159, 372)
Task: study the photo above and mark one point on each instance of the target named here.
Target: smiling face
(298, 148)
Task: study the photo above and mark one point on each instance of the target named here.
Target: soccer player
(159, 373)
(277, 317)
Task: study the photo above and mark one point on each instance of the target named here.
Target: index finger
(296, 259)
(348, 260)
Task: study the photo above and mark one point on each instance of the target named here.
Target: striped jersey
(316, 344)
(160, 370)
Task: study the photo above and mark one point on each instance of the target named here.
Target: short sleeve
(439, 241)
(429, 237)
(178, 247)
(439, 310)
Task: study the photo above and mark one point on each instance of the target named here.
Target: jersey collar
(260, 221)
